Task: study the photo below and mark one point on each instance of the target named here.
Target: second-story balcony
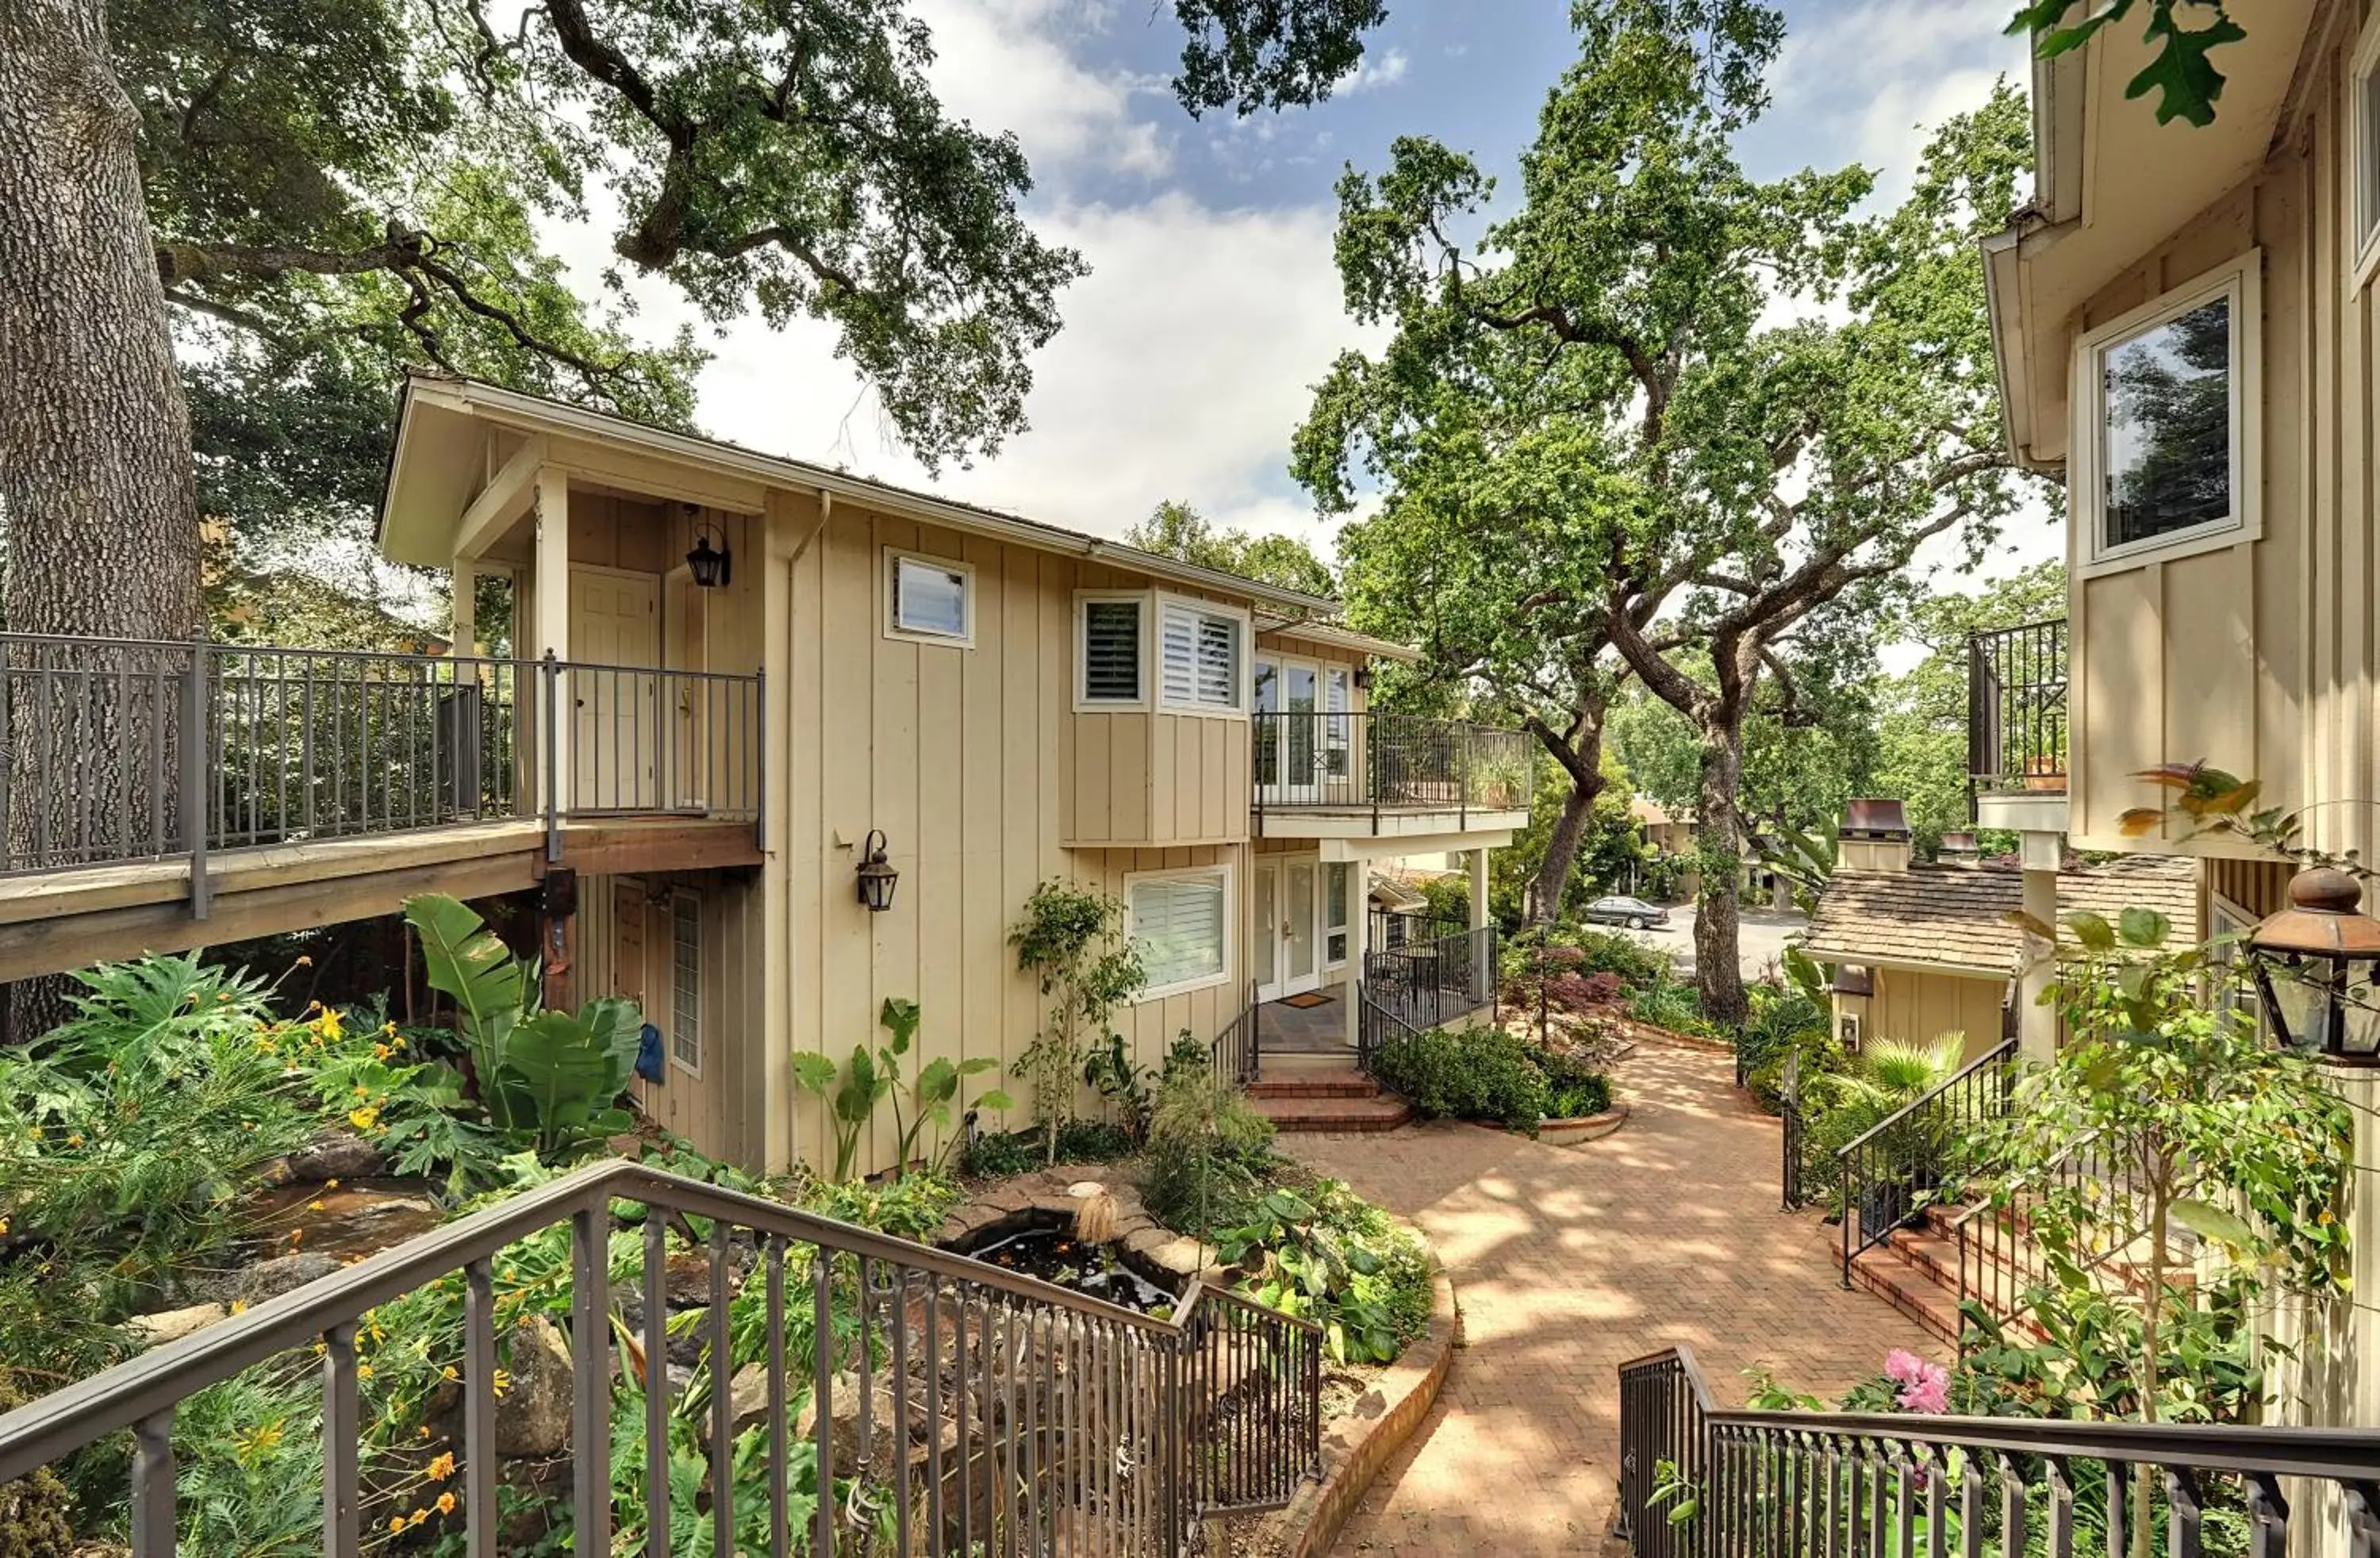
(1325, 775)
(2017, 745)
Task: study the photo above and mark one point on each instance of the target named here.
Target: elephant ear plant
(554, 1078)
(853, 1093)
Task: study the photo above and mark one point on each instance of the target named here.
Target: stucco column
(551, 629)
(1359, 927)
(1478, 889)
(2037, 1025)
(465, 588)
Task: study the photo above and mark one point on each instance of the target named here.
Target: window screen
(1178, 922)
(930, 598)
(686, 981)
(1111, 651)
(1201, 656)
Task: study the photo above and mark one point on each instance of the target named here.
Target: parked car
(1635, 913)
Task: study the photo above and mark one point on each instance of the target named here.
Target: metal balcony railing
(2016, 708)
(1415, 987)
(1698, 1482)
(1384, 762)
(121, 750)
(1023, 1416)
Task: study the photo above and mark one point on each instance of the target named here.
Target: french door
(1287, 927)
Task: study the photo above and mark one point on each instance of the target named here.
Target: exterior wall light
(2320, 1000)
(710, 566)
(877, 876)
(1364, 675)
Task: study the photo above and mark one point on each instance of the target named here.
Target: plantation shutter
(1111, 651)
(1200, 656)
(1178, 922)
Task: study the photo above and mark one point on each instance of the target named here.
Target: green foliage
(1323, 1254)
(1786, 1024)
(1842, 1104)
(1610, 854)
(551, 1077)
(1176, 530)
(1675, 1008)
(1002, 1154)
(1608, 952)
(33, 1509)
(1207, 1156)
(1482, 1073)
(2181, 72)
(1071, 940)
(918, 1101)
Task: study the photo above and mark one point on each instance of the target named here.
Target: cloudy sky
(1212, 306)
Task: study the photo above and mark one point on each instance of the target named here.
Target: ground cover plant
(1490, 1074)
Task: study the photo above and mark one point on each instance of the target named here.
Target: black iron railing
(1391, 928)
(1889, 1172)
(2016, 708)
(1023, 1416)
(1422, 984)
(1699, 1482)
(120, 751)
(1234, 1055)
(1381, 763)
(2002, 1263)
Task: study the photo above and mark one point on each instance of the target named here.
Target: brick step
(1378, 1114)
(1888, 1274)
(1314, 1084)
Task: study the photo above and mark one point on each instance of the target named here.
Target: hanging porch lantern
(711, 566)
(2315, 964)
(877, 876)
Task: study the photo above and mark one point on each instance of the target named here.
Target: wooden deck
(54, 920)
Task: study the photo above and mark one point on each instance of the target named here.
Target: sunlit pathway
(1569, 1262)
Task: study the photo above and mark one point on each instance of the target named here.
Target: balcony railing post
(550, 668)
(193, 798)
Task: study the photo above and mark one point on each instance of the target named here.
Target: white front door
(1286, 909)
(1290, 732)
(615, 697)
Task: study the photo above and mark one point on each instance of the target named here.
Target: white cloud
(1916, 66)
(1373, 71)
(1002, 63)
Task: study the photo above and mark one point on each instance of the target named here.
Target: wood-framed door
(1285, 925)
(1288, 750)
(616, 726)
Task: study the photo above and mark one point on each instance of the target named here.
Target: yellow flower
(362, 1091)
(363, 1371)
(363, 1119)
(416, 1517)
(380, 1052)
(74, 1138)
(396, 1522)
(441, 1468)
(450, 1372)
(313, 1206)
(446, 1503)
(240, 1306)
(296, 1235)
(425, 1430)
(330, 1185)
(501, 1383)
(304, 961)
(329, 1023)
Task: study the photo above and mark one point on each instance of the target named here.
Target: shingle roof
(1958, 915)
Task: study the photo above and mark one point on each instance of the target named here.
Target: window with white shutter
(1200, 652)
(929, 598)
(1178, 920)
(1107, 639)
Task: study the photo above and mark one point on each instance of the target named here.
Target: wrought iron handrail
(1092, 1412)
(1427, 983)
(1797, 1484)
(129, 749)
(1385, 762)
(1234, 1056)
(2016, 708)
(1878, 1194)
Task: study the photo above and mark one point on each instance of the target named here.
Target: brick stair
(1916, 1270)
(1327, 1101)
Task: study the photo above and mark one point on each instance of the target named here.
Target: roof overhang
(2110, 185)
(1337, 637)
(444, 453)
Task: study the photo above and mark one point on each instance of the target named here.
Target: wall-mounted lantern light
(709, 566)
(877, 876)
(1364, 675)
(2316, 966)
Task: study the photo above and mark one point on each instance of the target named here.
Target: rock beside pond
(334, 1154)
(349, 1220)
(533, 1415)
(172, 1325)
(265, 1279)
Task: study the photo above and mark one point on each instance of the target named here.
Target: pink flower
(1930, 1393)
(1903, 1368)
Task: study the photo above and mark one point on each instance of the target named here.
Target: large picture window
(1202, 657)
(1179, 920)
(2167, 463)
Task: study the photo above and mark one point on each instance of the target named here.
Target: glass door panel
(1303, 967)
(1265, 925)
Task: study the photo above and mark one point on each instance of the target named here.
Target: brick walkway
(1568, 1261)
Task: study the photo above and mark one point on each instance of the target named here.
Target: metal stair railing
(1088, 1421)
(1699, 1482)
(1886, 1171)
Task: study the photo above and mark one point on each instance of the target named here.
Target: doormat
(1305, 998)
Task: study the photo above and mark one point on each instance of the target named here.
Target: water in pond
(1060, 1259)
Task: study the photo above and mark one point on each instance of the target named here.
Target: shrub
(1602, 952)
(1326, 1254)
(1784, 1023)
(1672, 1006)
(1574, 1088)
(1489, 1073)
(1207, 1154)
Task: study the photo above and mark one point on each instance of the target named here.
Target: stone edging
(1581, 1130)
(1356, 1448)
(1635, 1029)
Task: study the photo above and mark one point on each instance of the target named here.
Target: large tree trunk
(1718, 976)
(95, 478)
(1581, 756)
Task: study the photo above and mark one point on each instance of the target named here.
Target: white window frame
(1341, 928)
(680, 898)
(2363, 161)
(1242, 692)
(1146, 602)
(2228, 929)
(2240, 279)
(1220, 872)
(889, 575)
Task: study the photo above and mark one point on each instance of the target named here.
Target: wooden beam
(502, 501)
(633, 848)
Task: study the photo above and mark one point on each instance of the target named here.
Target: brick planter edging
(1354, 1448)
(1635, 1029)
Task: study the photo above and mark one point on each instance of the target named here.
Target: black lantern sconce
(1364, 675)
(712, 567)
(877, 876)
(2317, 944)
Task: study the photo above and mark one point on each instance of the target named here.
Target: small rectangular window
(1199, 655)
(1179, 924)
(931, 599)
(2362, 135)
(1334, 912)
(686, 981)
(1111, 651)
